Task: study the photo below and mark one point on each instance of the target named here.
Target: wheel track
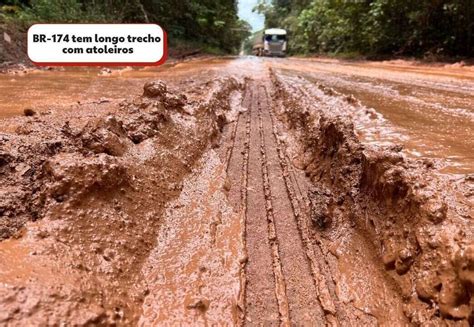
(301, 218)
(280, 285)
(316, 254)
(264, 272)
(337, 312)
(261, 297)
(230, 149)
(236, 166)
(243, 201)
(305, 307)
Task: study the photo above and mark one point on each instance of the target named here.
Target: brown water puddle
(437, 70)
(432, 132)
(431, 117)
(40, 89)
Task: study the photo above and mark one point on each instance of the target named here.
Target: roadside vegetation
(205, 25)
(424, 28)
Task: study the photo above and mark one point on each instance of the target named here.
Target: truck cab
(274, 42)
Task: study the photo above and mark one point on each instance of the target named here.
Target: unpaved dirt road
(239, 192)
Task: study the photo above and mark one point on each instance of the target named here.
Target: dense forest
(375, 27)
(213, 24)
(369, 27)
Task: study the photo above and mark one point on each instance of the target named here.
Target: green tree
(212, 23)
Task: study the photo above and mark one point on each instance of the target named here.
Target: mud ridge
(78, 191)
(418, 221)
(244, 195)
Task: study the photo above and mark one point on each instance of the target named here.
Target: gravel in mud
(248, 194)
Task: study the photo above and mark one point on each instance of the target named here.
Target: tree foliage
(438, 27)
(211, 22)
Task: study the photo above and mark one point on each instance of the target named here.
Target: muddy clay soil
(238, 192)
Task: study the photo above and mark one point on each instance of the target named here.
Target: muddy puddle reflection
(430, 111)
(42, 89)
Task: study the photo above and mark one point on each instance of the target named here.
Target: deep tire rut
(337, 312)
(282, 283)
(288, 276)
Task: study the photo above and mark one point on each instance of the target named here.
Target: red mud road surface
(238, 192)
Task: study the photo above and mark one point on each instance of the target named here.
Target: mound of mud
(419, 222)
(96, 184)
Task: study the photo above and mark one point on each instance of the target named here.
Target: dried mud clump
(74, 175)
(419, 223)
(158, 90)
(92, 181)
(21, 164)
(320, 200)
(107, 135)
(29, 112)
(155, 89)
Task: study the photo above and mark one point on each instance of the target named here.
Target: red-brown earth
(238, 192)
